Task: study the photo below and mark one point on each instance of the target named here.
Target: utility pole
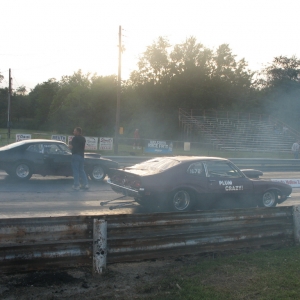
(116, 148)
(8, 106)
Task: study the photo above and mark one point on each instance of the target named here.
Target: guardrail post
(99, 245)
(296, 217)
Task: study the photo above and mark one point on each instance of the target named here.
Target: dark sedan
(183, 183)
(49, 157)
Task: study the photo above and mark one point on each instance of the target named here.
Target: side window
(196, 169)
(36, 148)
(52, 149)
(222, 169)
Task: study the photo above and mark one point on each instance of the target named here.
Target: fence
(197, 145)
(44, 243)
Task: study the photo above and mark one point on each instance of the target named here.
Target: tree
(282, 70)
(21, 90)
(280, 88)
(86, 101)
(188, 76)
(153, 65)
(41, 98)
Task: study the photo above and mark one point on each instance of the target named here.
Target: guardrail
(263, 164)
(45, 243)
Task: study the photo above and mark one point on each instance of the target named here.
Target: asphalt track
(53, 196)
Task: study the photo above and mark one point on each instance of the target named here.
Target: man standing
(295, 149)
(77, 146)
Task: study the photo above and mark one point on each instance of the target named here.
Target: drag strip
(53, 196)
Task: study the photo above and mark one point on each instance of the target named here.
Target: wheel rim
(98, 173)
(269, 199)
(22, 171)
(181, 200)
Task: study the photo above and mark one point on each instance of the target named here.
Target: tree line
(187, 75)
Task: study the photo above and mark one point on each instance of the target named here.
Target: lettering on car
(229, 187)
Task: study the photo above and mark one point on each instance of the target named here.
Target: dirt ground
(119, 281)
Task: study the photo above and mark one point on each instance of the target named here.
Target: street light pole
(8, 106)
(116, 148)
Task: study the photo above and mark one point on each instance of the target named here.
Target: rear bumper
(125, 190)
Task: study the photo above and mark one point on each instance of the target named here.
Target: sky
(43, 39)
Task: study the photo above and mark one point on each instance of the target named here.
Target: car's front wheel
(182, 200)
(269, 199)
(97, 173)
(22, 171)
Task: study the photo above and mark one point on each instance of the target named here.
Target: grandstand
(238, 131)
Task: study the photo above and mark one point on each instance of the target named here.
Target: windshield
(156, 164)
(222, 169)
(64, 148)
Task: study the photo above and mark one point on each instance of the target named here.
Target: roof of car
(196, 158)
(38, 141)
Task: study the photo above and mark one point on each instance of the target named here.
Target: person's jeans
(78, 170)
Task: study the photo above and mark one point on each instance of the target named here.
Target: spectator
(276, 128)
(295, 149)
(136, 143)
(77, 146)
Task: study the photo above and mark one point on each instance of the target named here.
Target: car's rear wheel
(182, 200)
(269, 199)
(97, 173)
(22, 171)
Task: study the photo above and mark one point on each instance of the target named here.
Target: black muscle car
(183, 183)
(49, 157)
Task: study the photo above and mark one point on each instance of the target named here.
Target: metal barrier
(44, 243)
(263, 164)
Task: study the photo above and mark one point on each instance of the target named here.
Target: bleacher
(237, 132)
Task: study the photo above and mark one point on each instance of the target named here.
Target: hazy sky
(42, 39)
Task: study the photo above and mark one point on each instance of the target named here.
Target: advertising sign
(187, 146)
(56, 137)
(91, 142)
(153, 146)
(292, 182)
(22, 136)
(106, 143)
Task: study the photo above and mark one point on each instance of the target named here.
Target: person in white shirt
(295, 149)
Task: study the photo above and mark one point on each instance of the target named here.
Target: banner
(91, 142)
(22, 136)
(187, 146)
(106, 143)
(153, 146)
(292, 182)
(57, 137)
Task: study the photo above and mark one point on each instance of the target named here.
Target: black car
(183, 182)
(49, 157)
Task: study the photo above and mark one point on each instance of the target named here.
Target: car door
(195, 179)
(225, 182)
(35, 155)
(57, 160)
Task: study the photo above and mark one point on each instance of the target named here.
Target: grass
(125, 147)
(264, 274)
